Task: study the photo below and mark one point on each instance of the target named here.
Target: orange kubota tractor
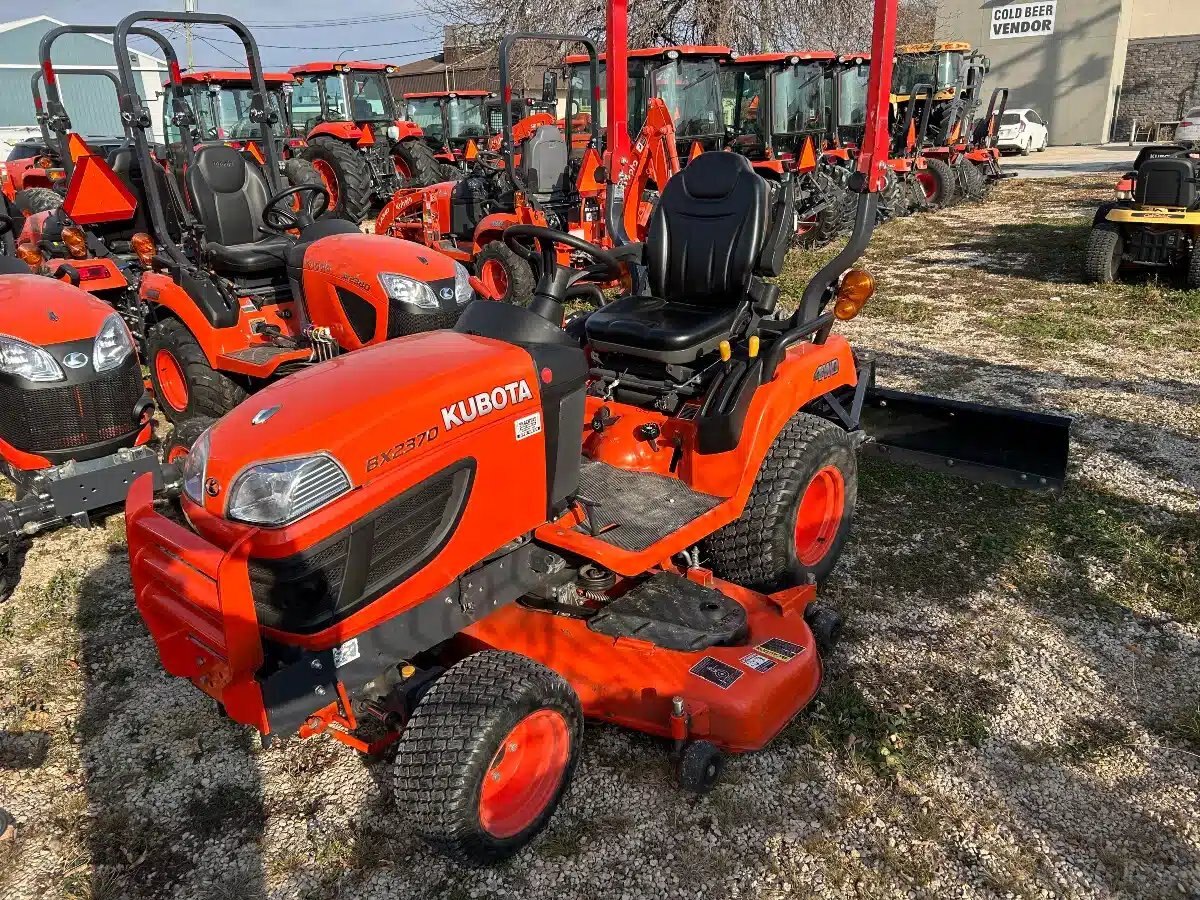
(533, 178)
(240, 287)
(361, 146)
(474, 539)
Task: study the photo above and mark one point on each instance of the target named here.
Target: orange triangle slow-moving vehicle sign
(588, 182)
(956, 133)
(368, 136)
(472, 150)
(96, 194)
(695, 151)
(77, 147)
(252, 149)
(808, 156)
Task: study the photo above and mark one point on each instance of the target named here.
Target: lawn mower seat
(544, 160)
(714, 230)
(229, 196)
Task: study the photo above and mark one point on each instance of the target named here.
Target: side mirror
(550, 87)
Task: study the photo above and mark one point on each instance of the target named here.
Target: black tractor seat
(259, 258)
(712, 234)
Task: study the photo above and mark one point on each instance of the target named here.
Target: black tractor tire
(420, 161)
(700, 766)
(451, 172)
(760, 548)
(35, 200)
(208, 392)
(459, 736)
(183, 436)
(352, 174)
(8, 825)
(827, 224)
(518, 277)
(946, 193)
(12, 560)
(1102, 262)
(1193, 270)
(972, 183)
(916, 195)
(891, 201)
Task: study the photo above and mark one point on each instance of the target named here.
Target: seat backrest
(1167, 181)
(228, 194)
(707, 232)
(544, 159)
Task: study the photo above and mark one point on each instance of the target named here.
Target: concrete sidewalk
(1062, 162)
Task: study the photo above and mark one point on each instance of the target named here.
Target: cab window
(800, 103)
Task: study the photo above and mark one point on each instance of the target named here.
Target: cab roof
(932, 47)
(653, 52)
(322, 68)
(802, 55)
(232, 76)
(429, 95)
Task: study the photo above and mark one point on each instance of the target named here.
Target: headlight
(409, 290)
(27, 361)
(280, 492)
(194, 465)
(113, 344)
(463, 292)
(393, 133)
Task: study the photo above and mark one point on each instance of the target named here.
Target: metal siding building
(91, 101)
(1074, 77)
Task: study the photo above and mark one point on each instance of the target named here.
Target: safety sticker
(778, 648)
(721, 674)
(757, 662)
(528, 426)
(346, 653)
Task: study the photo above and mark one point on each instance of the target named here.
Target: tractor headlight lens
(393, 133)
(278, 493)
(463, 292)
(403, 289)
(113, 344)
(194, 466)
(27, 361)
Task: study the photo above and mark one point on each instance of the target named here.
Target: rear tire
(507, 276)
(826, 225)
(487, 755)
(891, 201)
(1102, 264)
(346, 170)
(183, 436)
(799, 511)
(185, 385)
(972, 183)
(1193, 272)
(422, 165)
(939, 179)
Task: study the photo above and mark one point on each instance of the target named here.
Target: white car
(1023, 130)
(1189, 129)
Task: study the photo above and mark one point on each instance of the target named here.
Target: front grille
(55, 418)
(403, 319)
(315, 588)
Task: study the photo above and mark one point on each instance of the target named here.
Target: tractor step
(675, 613)
(632, 510)
(979, 442)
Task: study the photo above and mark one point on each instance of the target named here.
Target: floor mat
(636, 509)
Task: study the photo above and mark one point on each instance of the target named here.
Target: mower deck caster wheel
(826, 627)
(8, 825)
(700, 766)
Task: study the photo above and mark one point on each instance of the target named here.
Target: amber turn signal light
(30, 255)
(856, 288)
(143, 245)
(43, 162)
(75, 240)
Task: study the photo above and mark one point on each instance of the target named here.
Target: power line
(423, 40)
(327, 23)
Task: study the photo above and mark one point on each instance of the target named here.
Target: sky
(288, 32)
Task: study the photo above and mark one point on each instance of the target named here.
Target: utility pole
(189, 6)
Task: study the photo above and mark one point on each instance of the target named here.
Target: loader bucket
(994, 444)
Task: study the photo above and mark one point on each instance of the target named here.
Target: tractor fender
(409, 130)
(342, 131)
(491, 228)
(163, 297)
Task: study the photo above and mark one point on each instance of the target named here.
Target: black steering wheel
(280, 220)
(556, 282)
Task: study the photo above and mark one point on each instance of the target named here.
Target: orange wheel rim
(329, 179)
(171, 383)
(929, 184)
(177, 453)
(525, 773)
(495, 278)
(402, 168)
(820, 515)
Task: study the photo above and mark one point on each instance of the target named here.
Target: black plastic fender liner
(978, 442)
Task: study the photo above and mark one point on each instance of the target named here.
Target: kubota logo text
(486, 402)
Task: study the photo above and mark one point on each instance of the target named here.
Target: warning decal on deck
(778, 648)
(757, 662)
(721, 674)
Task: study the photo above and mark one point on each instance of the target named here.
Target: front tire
(184, 383)
(937, 178)
(1193, 272)
(971, 181)
(179, 443)
(487, 755)
(417, 166)
(798, 514)
(1105, 247)
(506, 275)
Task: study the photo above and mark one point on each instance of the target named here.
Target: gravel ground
(1014, 712)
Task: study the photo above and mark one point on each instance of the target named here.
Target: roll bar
(57, 119)
(919, 92)
(58, 141)
(994, 114)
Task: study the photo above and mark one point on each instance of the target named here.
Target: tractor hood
(375, 410)
(45, 312)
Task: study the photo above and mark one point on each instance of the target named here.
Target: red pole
(872, 161)
(616, 84)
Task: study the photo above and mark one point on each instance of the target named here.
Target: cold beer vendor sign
(1023, 20)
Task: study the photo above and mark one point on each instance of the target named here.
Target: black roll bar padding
(57, 119)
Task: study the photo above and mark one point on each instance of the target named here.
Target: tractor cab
(778, 106)
(220, 101)
(851, 74)
(355, 92)
(686, 78)
(955, 72)
(451, 120)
